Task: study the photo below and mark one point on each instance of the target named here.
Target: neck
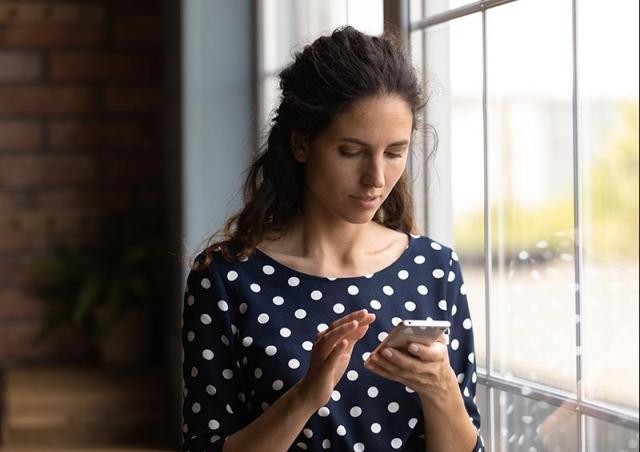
(341, 244)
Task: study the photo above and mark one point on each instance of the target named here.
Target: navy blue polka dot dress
(248, 329)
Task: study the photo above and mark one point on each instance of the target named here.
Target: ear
(299, 147)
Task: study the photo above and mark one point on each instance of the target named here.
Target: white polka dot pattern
(254, 322)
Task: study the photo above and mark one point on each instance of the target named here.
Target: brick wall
(80, 135)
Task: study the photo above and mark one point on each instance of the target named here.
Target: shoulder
(214, 263)
(434, 249)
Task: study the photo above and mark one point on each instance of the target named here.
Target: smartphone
(419, 331)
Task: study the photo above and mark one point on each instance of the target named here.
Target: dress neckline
(384, 270)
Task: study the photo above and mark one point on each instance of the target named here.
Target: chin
(358, 218)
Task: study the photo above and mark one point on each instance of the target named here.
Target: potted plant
(108, 288)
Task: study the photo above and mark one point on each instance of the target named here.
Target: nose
(373, 173)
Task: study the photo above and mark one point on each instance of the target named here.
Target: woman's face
(354, 164)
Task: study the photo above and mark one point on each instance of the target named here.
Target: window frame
(486, 376)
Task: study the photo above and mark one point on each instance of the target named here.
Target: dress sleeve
(214, 398)
(461, 343)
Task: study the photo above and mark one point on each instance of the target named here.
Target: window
(285, 26)
(536, 186)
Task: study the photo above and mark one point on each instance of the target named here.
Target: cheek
(327, 180)
(394, 173)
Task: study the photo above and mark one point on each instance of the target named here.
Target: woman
(281, 317)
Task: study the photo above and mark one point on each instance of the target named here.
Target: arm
(446, 422)
(444, 378)
(215, 420)
(212, 406)
(277, 428)
(427, 370)
(456, 426)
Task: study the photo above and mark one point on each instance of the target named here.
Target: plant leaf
(88, 297)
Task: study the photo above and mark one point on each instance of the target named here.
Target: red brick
(27, 243)
(131, 169)
(16, 346)
(7, 202)
(151, 196)
(106, 199)
(41, 99)
(52, 36)
(16, 304)
(45, 171)
(64, 198)
(49, 12)
(116, 198)
(19, 66)
(90, 235)
(133, 7)
(22, 244)
(139, 98)
(15, 269)
(20, 135)
(49, 221)
(137, 30)
(100, 134)
(102, 66)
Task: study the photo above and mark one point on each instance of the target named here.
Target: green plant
(610, 191)
(92, 286)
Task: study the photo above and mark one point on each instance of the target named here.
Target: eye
(394, 155)
(347, 153)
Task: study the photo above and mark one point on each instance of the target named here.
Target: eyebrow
(362, 143)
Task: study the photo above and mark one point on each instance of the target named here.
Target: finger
(360, 332)
(337, 352)
(339, 330)
(383, 372)
(399, 360)
(361, 316)
(362, 328)
(379, 360)
(329, 339)
(356, 315)
(428, 353)
(357, 334)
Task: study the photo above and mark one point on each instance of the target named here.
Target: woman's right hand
(331, 354)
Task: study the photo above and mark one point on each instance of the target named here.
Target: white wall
(217, 74)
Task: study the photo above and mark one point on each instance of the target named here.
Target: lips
(367, 202)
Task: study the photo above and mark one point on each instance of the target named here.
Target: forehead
(384, 117)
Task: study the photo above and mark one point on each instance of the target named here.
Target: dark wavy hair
(324, 79)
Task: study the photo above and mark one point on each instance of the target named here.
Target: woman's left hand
(425, 369)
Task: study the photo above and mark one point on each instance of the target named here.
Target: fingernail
(386, 352)
(413, 348)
